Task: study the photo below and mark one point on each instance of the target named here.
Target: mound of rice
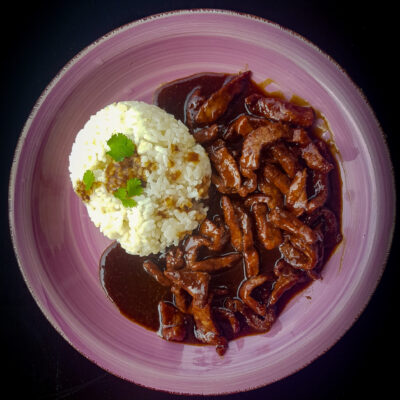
(175, 172)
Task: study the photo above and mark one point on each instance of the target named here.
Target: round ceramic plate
(58, 248)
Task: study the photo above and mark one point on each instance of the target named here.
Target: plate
(58, 248)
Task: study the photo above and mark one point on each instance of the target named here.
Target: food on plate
(141, 175)
(270, 222)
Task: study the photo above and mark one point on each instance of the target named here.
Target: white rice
(169, 207)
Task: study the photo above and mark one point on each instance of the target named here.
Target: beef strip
(280, 110)
(172, 322)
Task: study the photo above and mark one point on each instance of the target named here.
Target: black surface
(37, 40)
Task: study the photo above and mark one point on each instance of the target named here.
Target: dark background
(37, 40)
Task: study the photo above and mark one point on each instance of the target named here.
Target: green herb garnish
(122, 194)
(133, 188)
(88, 179)
(120, 146)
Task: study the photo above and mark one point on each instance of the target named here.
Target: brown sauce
(130, 287)
(133, 290)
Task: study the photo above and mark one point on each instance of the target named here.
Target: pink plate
(58, 248)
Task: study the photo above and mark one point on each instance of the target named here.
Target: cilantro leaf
(88, 179)
(122, 194)
(134, 187)
(129, 203)
(120, 146)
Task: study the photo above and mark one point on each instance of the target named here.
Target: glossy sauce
(131, 288)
